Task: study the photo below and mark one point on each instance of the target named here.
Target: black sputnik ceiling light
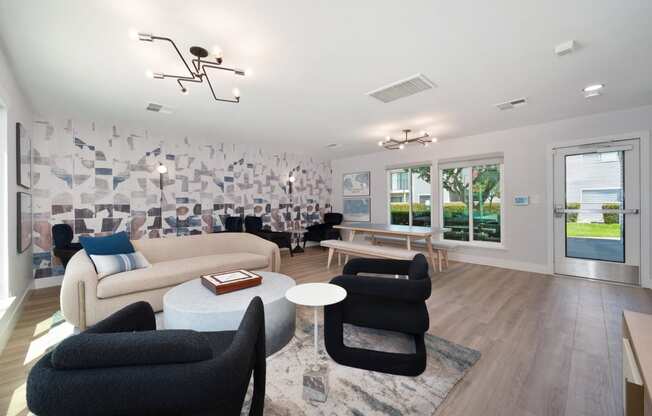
(399, 144)
(197, 73)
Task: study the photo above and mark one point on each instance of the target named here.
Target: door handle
(561, 211)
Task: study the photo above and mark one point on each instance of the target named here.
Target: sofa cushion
(118, 263)
(117, 243)
(173, 272)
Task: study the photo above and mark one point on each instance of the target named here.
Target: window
(409, 196)
(471, 201)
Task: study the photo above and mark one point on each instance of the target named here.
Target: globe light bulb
(433, 140)
(387, 138)
(380, 143)
(248, 72)
(161, 168)
(401, 146)
(149, 74)
(217, 52)
(426, 144)
(236, 92)
(292, 179)
(133, 34)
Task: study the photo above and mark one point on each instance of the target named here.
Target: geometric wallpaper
(101, 179)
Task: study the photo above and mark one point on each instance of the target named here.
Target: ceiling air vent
(402, 88)
(158, 108)
(508, 105)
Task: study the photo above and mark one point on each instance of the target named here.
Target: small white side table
(315, 295)
(315, 379)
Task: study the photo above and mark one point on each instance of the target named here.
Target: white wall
(18, 266)
(525, 154)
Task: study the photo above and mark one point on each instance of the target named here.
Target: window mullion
(471, 203)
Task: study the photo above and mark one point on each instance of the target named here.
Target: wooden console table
(637, 364)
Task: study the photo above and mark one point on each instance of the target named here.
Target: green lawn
(574, 229)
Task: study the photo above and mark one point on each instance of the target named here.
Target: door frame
(645, 188)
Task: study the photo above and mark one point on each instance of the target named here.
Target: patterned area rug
(360, 392)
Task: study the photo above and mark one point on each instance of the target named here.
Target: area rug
(360, 392)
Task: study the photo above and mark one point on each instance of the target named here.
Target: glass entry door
(596, 211)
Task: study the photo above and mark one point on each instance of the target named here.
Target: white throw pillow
(118, 263)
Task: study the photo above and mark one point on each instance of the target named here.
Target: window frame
(470, 164)
(409, 191)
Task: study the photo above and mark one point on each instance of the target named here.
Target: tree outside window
(472, 203)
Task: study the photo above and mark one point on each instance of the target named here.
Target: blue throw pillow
(113, 244)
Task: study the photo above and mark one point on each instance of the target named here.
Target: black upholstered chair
(382, 303)
(123, 366)
(64, 248)
(254, 225)
(325, 230)
(232, 225)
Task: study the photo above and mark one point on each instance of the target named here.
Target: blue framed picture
(357, 209)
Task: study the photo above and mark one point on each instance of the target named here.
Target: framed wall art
(23, 157)
(356, 184)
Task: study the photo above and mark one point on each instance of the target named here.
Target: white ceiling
(313, 62)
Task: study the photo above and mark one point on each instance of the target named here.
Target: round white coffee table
(316, 295)
(192, 306)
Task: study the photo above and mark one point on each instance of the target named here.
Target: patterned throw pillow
(118, 263)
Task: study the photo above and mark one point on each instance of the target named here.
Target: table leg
(316, 336)
(330, 257)
(431, 254)
(351, 235)
(339, 259)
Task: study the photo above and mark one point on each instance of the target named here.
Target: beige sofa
(85, 299)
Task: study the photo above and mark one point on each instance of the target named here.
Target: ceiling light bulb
(594, 87)
(149, 74)
(433, 140)
(401, 146)
(217, 52)
(248, 72)
(133, 34)
(388, 138)
(426, 144)
(292, 179)
(236, 92)
(161, 168)
(380, 143)
(424, 133)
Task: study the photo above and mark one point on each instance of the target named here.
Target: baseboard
(505, 264)
(44, 282)
(9, 316)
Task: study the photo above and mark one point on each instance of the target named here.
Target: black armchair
(325, 230)
(381, 303)
(232, 225)
(64, 248)
(123, 366)
(254, 225)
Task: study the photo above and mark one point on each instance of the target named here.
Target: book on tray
(220, 283)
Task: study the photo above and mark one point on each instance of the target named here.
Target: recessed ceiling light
(594, 87)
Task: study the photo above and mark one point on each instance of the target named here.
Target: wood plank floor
(550, 346)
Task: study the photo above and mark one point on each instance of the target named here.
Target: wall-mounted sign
(521, 200)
